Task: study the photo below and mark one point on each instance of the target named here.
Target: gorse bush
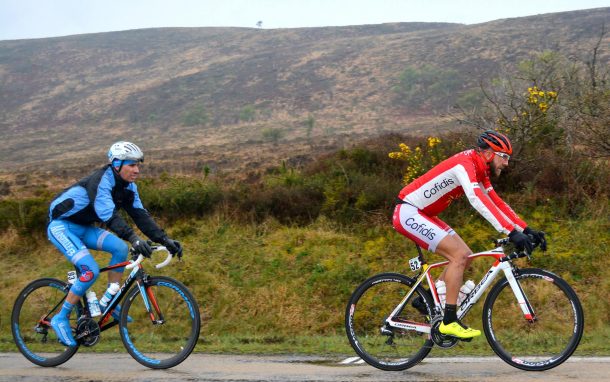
(176, 197)
(551, 108)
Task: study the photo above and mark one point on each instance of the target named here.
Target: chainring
(439, 339)
(87, 331)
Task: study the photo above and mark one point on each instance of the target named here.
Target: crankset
(439, 339)
(87, 331)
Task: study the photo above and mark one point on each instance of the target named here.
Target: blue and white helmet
(124, 151)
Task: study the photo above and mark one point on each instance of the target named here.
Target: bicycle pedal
(465, 339)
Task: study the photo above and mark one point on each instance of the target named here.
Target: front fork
(150, 301)
(524, 304)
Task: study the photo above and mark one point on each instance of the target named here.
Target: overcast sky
(21, 19)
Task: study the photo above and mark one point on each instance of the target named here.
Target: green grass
(272, 288)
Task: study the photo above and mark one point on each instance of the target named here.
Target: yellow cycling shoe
(459, 330)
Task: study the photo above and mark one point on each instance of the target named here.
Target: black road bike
(161, 332)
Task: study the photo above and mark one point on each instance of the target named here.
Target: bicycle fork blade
(528, 312)
(154, 311)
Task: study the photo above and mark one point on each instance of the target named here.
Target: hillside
(237, 98)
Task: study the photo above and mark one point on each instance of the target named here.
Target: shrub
(28, 216)
(175, 198)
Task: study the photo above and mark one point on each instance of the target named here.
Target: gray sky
(21, 19)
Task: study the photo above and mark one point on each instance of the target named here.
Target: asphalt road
(205, 367)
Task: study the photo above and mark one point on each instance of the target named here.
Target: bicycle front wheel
(382, 346)
(550, 337)
(31, 322)
(168, 337)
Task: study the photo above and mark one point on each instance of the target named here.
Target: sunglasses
(502, 155)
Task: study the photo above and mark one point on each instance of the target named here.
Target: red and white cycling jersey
(464, 173)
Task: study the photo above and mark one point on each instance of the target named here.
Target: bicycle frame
(502, 264)
(135, 276)
(138, 276)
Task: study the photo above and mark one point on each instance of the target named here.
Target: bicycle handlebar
(514, 255)
(141, 258)
(501, 242)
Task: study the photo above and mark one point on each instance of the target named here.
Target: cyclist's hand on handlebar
(537, 236)
(521, 241)
(140, 246)
(173, 246)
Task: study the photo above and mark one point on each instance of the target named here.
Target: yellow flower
(433, 141)
(404, 148)
(552, 94)
(543, 106)
(541, 93)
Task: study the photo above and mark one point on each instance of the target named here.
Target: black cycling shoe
(419, 304)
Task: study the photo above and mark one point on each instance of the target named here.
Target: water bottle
(465, 291)
(441, 290)
(71, 277)
(113, 288)
(94, 306)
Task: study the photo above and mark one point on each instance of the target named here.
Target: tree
(247, 113)
(196, 116)
(271, 134)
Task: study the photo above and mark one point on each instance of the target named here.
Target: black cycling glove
(173, 246)
(521, 241)
(140, 246)
(537, 236)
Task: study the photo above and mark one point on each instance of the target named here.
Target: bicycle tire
(539, 345)
(365, 315)
(161, 346)
(35, 339)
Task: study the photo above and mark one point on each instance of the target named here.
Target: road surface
(206, 367)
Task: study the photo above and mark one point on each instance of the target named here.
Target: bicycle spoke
(165, 343)
(380, 345)
(31, 327)
(550, 338)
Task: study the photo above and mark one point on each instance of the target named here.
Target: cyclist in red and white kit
(423, 199)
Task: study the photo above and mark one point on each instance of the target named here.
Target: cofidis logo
(422, 228)
(438, 187)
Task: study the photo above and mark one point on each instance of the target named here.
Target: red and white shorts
(426, 231)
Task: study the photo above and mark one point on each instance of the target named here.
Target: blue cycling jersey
(98, 198)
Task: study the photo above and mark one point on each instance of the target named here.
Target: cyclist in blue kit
(77, 211)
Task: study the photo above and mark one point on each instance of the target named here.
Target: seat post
(420, 253)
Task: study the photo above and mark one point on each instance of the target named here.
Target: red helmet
(496, 141)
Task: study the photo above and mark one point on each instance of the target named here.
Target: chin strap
(483, 154)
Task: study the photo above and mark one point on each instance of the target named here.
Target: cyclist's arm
(503, 206)
(142, 218)
(466, 176)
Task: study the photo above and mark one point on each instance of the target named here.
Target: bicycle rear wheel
(547, 341)
(171, 338)
(384, 347)
(31, 322)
